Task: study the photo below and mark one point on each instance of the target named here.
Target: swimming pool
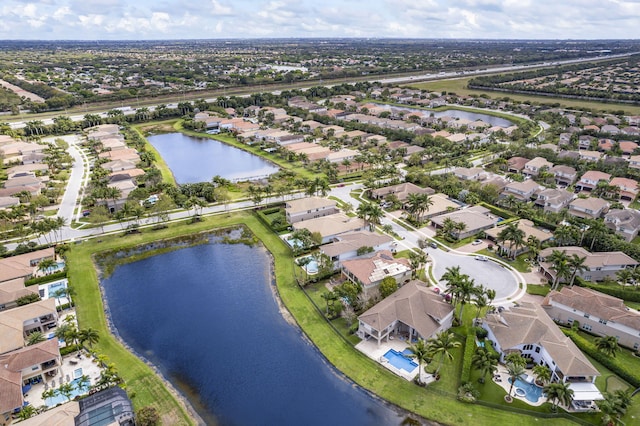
(532, 392)
(312, 267)
(59, 399)
(77, 373)
(59, 266)
(398, 360)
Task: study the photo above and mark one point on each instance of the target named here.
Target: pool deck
(503, 381)
(371, 349)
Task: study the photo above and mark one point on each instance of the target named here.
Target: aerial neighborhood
(456, 248)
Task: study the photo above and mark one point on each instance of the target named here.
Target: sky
(211, 19)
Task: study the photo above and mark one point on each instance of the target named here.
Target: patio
(371, 349)
(72, 367)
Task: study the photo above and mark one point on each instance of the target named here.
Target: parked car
(433, 245)
(476, 243)
(481, 258)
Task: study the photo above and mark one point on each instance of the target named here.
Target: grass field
(459, 87)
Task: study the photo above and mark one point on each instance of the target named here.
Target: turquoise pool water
(311, 267)
(59, 399)
(532, 392)
(77, 373)
(398, 360)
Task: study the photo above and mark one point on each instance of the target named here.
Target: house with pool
(24, 367)
(412, 312)
(368, 272)
(599, 265)
(528, 330)
(347, 246)
(309, 208)
(12, 290)
(17, 323)
(329, 227)
(23, 265)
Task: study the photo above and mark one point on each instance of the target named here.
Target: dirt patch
(155, 129)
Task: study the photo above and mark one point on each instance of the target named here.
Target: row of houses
(27, 171)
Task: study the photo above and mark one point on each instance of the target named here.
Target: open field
(459, 87)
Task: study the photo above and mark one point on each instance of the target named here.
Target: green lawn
(538, 290)
(519, 264)
(435, 402)
(165, 171)
(459, 87)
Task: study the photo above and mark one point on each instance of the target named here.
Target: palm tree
(597, 229)
(416, 260)
(26, 412)
(481, 302)
(576, 263)
(466, 289)
(452, 277)
(441, 346)
(35, 337)
(49, 393)
(608, 345)
(542, 374)
(514, 370)
(611, 410)
(45, 264)
(560, 264)
(66, 390)
(624, 276)
(514, 236)
(558, 393)
(82, 383)
(89, 335)
(420, 352)
(484, 362)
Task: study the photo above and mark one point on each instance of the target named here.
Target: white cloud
(219, 9)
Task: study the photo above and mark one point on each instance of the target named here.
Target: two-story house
(588, 208)
(309, 208)
(468, 173)
(564, 175)
(516, 164)
(599, 265)
(368, 272)
(590, 179)
(529, 331)
(522, 191)
(591, 156)
(533, 167)
(351, 245)
(554, 200)
(627, 188)
(624, 222)
(596, 312)
(23, 265)
(17, 323)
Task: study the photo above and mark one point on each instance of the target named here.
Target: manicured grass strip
(165, 171)
(538, 290)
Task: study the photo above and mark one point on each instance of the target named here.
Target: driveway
(489, 274)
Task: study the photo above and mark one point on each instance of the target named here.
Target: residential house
(585, 142)
(634, 162)
(624, 222)
(125, 187)
(309, 208)
(529, 331)
(368, 272)
(23, 265)
(590, 179)
(118, 165)
(344, 154)
(401, 191)
(476, 219)
(533, 167)
(412, 312)
(329, 227)
(609, 128)
(466, 173)
(522, 191)
(596, 312)
(113, 405)
(565, 139)
(516, 164)
(346, 246)
(627, 147)
(6, 202)
(588, 208)
(627, 188)
(529, 229)
(564, 175)
(23, 367)
(591, 156)
(554, 200)
(605, 145)
(12, 290)
(441, 203)
(600, 265)
(17, 323)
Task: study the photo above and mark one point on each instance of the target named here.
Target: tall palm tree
(542, 374)
(420, 352)
(558, 393)
(466, 289)
(514, 370)
(35, 337)
(416, 260)
(560, 264)
(608, 345)
(89, 335)
(484, 362)
(576, 264)
(441, 346)
(66, 390)
(481, 302)
(452, 277)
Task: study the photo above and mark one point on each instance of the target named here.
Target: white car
(481, 258)
(476, 243)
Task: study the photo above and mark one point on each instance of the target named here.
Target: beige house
(23, 265)
(554, 200)
(346, 246)
(627, 188)
(526, 226)
(309, 208)
(528, 330)
(401, 191)
(600, 265)
(589, 208)
(624, 222)
(533, 167)
(12, 290)
(522, 191)
(475, 219)
(331, 226)
(412, 312)
(17, 323)
(368, 272)
(564, 175)
(596, 312)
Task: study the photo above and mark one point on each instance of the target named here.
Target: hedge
(69, 349)
(469, 349)
(590, 349)
(611, 290)
(505, 214)
(47, 278)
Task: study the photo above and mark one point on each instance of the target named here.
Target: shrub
(147, 416)
(469, 349)
(69, 349)
(29, 298)
(47, 278)
(481, 333)
(467, 393)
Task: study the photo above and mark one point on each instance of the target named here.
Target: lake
(207, 317)
(193, 159)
